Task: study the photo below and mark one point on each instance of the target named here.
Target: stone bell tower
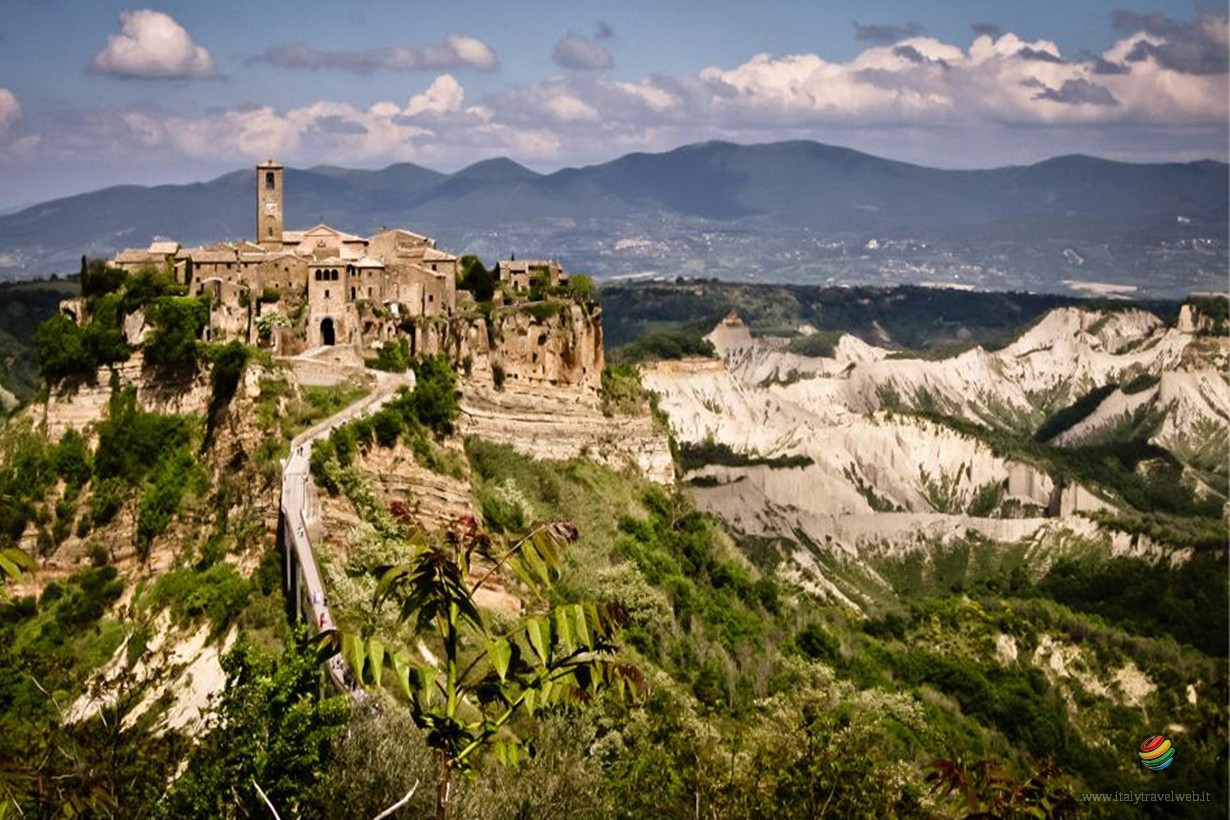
(269, 205)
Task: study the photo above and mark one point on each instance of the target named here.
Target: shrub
(178, 323)
(394, 357)
(147, 286)
(99, 278)
(821, 344)
(477, 279)
(229, 362)
(675, 343)
(580, 288)
(217, 594)
(434, 401)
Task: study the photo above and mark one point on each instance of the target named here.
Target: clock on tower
(269, 207)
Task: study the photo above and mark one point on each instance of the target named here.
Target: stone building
(517, 273)
(344, 279)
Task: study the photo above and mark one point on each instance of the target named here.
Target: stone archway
(327, 334)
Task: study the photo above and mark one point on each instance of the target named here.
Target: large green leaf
(376, 650)
(499, 652)
(539, 636)
(576, 614)
(402, 668)
(563, 630)
(355, 653)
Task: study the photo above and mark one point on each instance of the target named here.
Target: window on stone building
(326, 294)
(352, 293)
(369, 293)
(269, 180)
(317, 276)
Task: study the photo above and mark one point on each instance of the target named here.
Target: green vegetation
(432, 407)
(477, 279)
(1076, 412)
(486, 678)
(150, 451)
(927, 321)
(1145, 476)
(664, 344)
(1216, 308)
(622, 391)
(29, 468)
(1140, 383)
(271, 732)
(178, 322)
(75, 348)
(1149, 599)
(229, 361)
(822, 343)
(393, 357)
(23, 307)
(694, 456)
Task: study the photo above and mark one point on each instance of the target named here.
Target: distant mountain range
(783, 211)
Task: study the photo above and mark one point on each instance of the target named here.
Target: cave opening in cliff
(326, 331)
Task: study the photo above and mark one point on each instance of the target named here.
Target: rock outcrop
(864, 478)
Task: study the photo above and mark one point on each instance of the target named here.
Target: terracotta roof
(209, 255)
(405, 232)
(163, 247)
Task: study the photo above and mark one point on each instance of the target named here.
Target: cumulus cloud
(444, 94)
(581, 54)
(152, 46)
(886, 33)
(1197, 47)
(457, 51)
(921, 91)
(10, 110)
(1078, 92)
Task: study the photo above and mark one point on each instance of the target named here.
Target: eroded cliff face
(869, 481)
(78, 405)
(533, 380)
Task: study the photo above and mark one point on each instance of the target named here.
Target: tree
(13, 562)
(270, 734)
(479, 682)
(580, 288)
(98, 278)
(985, 790)
(178, 322)
(60, 348)
(477, 279)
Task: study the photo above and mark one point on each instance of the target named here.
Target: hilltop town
(294, 289)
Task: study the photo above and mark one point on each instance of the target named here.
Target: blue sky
(97, 92)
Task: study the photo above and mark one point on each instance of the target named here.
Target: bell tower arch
(269, 205)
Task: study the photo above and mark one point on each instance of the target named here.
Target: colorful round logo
(1156, 752)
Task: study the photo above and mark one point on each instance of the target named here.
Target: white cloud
(457, 51)
(444, 94)
(10, 110)
(918, 98)
(581, 54)
(152, 46)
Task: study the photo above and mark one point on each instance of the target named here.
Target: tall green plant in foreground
(473, 682)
